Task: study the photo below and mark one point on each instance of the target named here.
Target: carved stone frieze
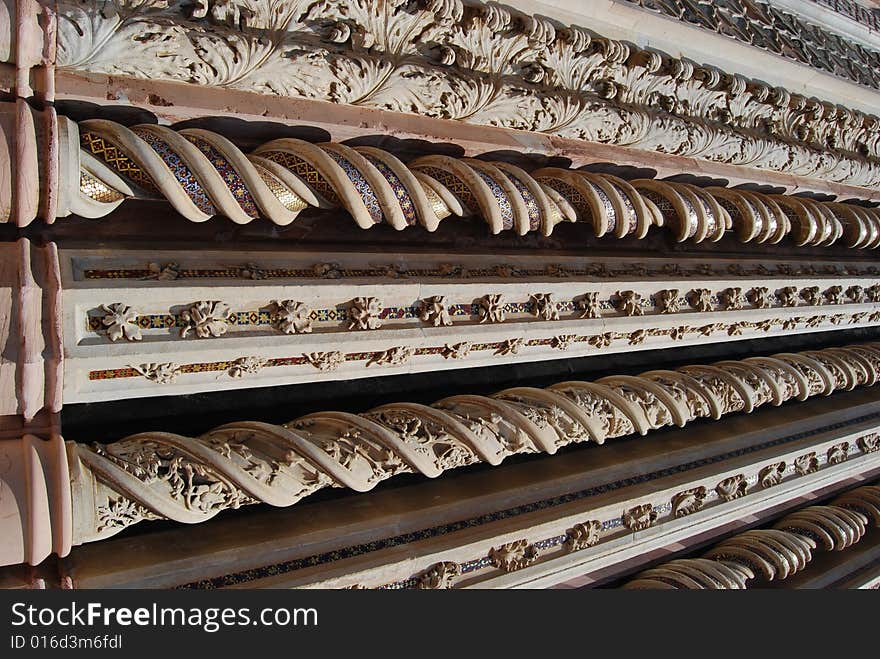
(869, 443)
(545, 306)
(364, 312)
(325, 361)
(190, 479)
(770, 554)
(492, 308)
(434, 311)
(629, 303)
(487, 65)
(589, 305)
(838, 453)
(164, 373)
(765, 26)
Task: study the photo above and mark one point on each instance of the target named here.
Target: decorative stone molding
(519, 323)
(121, 321)
(483, 64)
(772, 474)
(35, 509)
(772, 554)
(771, 28)
(283, 177)
(733, 487)
(607, 540)
(364, 312)
(192, 479)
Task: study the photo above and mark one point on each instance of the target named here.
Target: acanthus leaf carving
(434, 310)
(364, 313)
(513, 556)
(640, 517)
(771, 474)
(206, 319)
(733, 487)
(583, 535)
(439, 576)
(689, 501)
(292, 317)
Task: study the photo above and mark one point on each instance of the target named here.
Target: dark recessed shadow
(755, 187)
(816, 196)
(861, 202)
(527, 161)
(408, 148)
(251, 134)
(628, 172)
(699, 181)
(125, 115)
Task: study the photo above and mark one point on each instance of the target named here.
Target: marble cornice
(482, 64)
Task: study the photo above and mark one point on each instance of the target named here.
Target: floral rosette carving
(206, 319)
(121, 321)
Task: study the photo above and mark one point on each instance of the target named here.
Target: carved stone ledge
(159, 475)
(480, 61)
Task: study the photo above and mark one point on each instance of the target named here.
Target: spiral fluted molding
(190, 479)
(203, 174)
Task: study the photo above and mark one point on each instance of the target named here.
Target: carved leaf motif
(121, 321)
(583, 535)
(292, 317)
(869, 443)
(206, 319)
(492, 308)
(364, 312)
(439, 576)
(640, 517)
(513, 555)
(159, 373)
(732, 488)
(246, 366)
(435, 311)
(838, 453)
(688, 501)
(325, 361)
(771, 474)
(392, 356)
(807, 463)
(589, 304)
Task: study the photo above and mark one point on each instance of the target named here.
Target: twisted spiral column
(190, 479)
(203, 174)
